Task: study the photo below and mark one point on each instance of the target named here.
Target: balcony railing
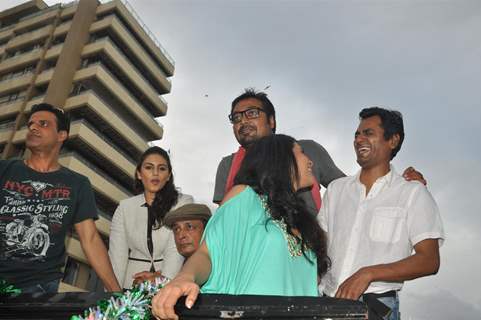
(92, 92)
(10, 26)
(103, 137)
(96, 169)
(146, 30)
(149, 33)
(39, 13)
(22, 54)
(6, 126)
(66, 5)
(99, 63)
(140, 75)
(9, 77)
(130, 63)
(12, 101)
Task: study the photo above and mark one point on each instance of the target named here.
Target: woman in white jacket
(140, 245)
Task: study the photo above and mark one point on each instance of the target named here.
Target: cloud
(442, 304)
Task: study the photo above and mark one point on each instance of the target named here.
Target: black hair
(269, 168)
(166, 197)
(267, 105)
(391, 122)
(63, 119)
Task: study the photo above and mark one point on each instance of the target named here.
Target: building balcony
(54, 51)
(69, 9)
(141, 116)
(141, 32)
(98, 150)
(34, 20)
(137, 82)
(30, 37)
(62, 28)
(6, 32)
(6, 131)
(144, 121)
(20, 60)
(101, 183)
(93, 145)
(10, 109)
(140, 58)
(16, 83)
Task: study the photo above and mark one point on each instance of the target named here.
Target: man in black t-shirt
(39, 201)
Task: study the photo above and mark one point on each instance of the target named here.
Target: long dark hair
(166, 197)
(269, 168)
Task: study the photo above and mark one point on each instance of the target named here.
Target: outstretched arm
(194, 273)
(96, 253)
(424, 262)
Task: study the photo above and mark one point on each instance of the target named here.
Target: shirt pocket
(386, 224)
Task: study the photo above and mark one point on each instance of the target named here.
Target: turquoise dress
(250, 257)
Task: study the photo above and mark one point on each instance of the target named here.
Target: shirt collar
(385, 180)
(388, 177)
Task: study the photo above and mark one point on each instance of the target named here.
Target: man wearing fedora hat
(187, 223)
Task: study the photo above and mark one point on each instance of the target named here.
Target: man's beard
(247, 139)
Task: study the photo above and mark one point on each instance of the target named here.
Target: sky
(322, 62)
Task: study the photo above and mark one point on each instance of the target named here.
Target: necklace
(293, 244)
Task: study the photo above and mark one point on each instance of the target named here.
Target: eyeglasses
(251, 113)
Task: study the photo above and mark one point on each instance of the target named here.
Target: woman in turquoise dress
(262, 240)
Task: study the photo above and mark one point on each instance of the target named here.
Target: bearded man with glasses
(253, 116)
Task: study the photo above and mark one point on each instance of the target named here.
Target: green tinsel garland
(134, 304)
(7, 289)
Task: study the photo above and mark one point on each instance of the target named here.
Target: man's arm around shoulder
(96, 253)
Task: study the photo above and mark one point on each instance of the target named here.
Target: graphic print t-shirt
(36, 211)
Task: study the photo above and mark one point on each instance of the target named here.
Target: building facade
(99, 62)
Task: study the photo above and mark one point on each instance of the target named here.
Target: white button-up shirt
(380, 227)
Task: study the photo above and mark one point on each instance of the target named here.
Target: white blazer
(128, 238)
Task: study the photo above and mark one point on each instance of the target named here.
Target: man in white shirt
(375, 219)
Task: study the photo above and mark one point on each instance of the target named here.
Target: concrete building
(99, 62)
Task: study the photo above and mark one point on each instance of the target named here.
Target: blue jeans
(43, 287)
(393, 304)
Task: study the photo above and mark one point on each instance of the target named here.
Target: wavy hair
(166, 197)
(270, 169)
